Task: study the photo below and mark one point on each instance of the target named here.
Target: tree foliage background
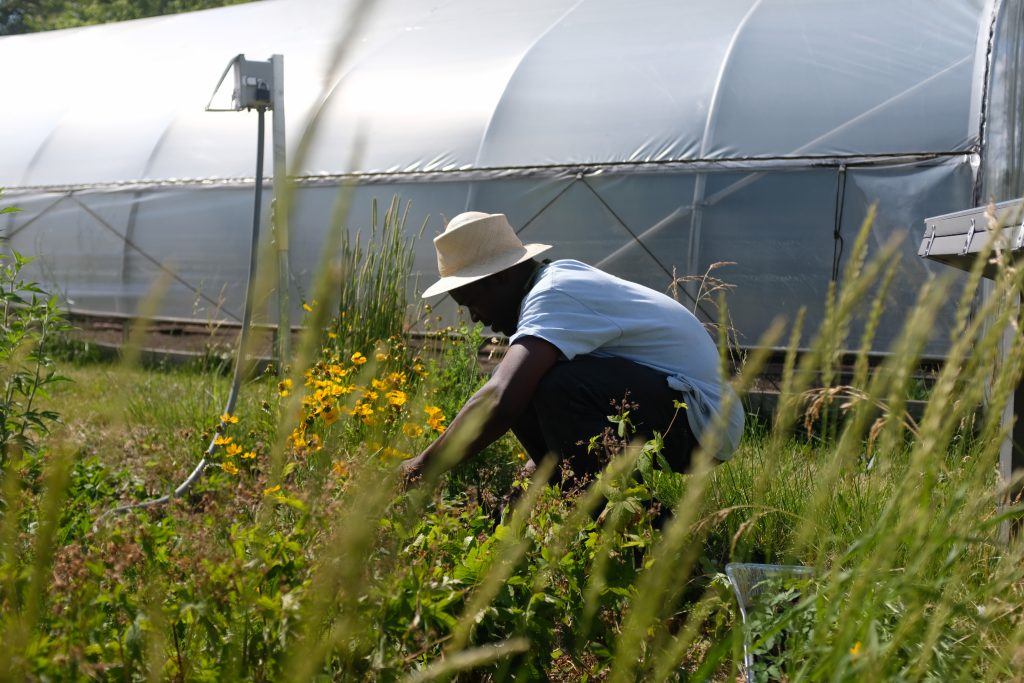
(29, 16)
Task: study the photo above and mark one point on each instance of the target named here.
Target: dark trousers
(575, 398)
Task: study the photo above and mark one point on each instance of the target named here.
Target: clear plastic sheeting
(652, 138)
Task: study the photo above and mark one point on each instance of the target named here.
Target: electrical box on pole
(259, 85)
(254, 83)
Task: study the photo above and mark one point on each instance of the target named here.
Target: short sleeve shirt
(582, 310)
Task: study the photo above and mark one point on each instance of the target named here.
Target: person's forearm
(481, 422)
(491, 411)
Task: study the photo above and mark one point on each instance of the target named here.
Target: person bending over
(579, 341)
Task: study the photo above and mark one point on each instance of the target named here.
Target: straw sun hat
(476, 245)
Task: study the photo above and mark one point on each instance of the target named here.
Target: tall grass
(339, 573)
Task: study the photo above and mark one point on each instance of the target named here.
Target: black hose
(243, 343)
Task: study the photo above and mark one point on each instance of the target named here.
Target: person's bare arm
(492, 410)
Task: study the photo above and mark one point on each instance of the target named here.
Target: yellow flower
(272, 489)
(222, 440)
(248, 455)
(412, 430)
(420, 369)
(378, 384)
(396, 397)
(370, 395)
(307, 308)
(233, 449)
(358, 358)
(398, 378)
(314, 442)
(229, 467)
(380, 356)
(394, 453)
(332, 335)
(229, 419)
(284, 386)
(331, 414)
(855, 650)
(361, 409)
(340, 468)
(521, 456)
(435, 418)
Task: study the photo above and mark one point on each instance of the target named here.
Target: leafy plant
(29, 318)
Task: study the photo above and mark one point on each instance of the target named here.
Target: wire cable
(243, 344)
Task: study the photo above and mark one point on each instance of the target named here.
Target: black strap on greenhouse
(241, 353)
(837, 232)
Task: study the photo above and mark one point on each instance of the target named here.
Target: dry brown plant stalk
(818, 399)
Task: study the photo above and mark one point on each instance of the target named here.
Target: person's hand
(411, 471)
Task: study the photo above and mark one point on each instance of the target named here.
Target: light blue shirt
(582, 310)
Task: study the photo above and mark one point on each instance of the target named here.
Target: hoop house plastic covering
(647, 137)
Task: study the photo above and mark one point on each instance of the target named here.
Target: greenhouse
(652, 139)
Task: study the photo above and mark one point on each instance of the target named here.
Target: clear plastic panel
(905, 197)
(851, 78)
(580, 226)
(601, 85)
(778, 230)
(77, 254)
(649, 205)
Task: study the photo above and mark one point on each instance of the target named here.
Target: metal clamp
(931, 241)
(970, 236)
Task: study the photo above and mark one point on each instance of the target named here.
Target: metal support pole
(280, 221)
(1011, 451)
